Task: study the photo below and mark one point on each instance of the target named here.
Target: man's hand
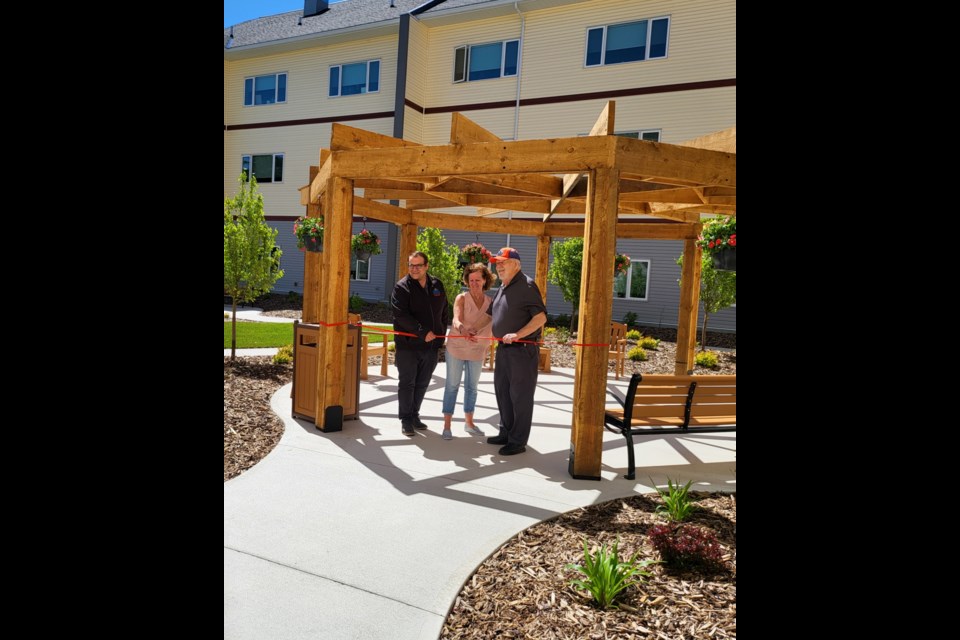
(429, 337)
(509, 338)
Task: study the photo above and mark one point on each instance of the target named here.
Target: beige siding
(417, 57)
(678, 115)
(308, 77)
(701, 46)
(441, 90)
(307, 86)
(301, 148)
(413, 125)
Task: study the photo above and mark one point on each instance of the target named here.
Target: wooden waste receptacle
(305, 354)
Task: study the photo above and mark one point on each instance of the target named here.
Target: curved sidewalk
(367, 533)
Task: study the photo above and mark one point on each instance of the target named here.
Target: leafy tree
(718, 290)
(565, 272)
(251, 259)
(444, 262)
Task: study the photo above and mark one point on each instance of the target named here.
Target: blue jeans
(455, 369)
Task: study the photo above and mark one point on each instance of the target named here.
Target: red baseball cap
(507, 253)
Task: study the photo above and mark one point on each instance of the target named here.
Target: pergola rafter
(601, 187)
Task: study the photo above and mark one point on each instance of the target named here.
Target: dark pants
(515, 381)
(415, 368)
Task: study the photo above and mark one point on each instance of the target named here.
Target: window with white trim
(260, 90)
(632, 285)
(355, 78)
(643, 134)
(360, 269)
(266, 168)
(627, 42)
(484, 61)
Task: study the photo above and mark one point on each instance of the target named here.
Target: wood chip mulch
(522, 590)
(250, 429)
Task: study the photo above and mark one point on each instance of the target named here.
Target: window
(351, 79)
(643, 134)
(265, 90)
(483, 61)
(360, 270)
(627, 42)
(266, 168)
(632, 284)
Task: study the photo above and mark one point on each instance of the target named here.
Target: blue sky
(235, 11)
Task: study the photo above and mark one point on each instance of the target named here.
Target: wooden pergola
(601, 187)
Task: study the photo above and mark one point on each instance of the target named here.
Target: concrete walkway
(366, 533)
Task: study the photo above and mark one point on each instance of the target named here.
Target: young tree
(718, 290)
(444, 262)
(565, 272)
(251, 260)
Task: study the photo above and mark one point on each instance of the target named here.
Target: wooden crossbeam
(670, 163)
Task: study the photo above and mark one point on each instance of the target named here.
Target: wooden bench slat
(658, 404)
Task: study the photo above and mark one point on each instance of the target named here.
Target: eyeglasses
(416, 266)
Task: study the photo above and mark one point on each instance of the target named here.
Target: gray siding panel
(659, 310)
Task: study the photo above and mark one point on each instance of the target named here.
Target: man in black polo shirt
(518, 313)
(420, 307)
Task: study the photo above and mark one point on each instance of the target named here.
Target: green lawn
(252, 335)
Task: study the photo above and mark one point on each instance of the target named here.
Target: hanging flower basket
(719, 240)
(313, 245)
(365, 244)
(473, 253)
(725, 260)
(309, 232)
(620, 264)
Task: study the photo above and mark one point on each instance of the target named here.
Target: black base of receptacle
(332, 419)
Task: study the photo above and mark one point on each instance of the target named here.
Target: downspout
(516, 110)
(399, 100)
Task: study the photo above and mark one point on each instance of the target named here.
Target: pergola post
(689, 306)
(311, 269)
(331, 365)
(543, 263)
(596, 308)
(408, 244)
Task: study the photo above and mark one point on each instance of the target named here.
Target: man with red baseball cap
(518, 314)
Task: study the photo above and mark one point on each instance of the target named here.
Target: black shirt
(419, 310)
(515, 305)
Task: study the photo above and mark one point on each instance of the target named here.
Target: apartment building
(522, 69)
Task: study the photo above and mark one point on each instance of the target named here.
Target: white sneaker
(474, 430)
(447, 435)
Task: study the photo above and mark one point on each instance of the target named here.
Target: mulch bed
(523, 591)
(250, 429)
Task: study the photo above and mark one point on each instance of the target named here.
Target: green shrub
(562, 334)
(633, 334)
(649, 343)
(391, 346)
(549, 331)
(284, 355)
(356, 303)
(637, 354)
(293, 296)
(630, 318)
(226, 315)
(605, 575)
(706, 359)
(676, 500)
